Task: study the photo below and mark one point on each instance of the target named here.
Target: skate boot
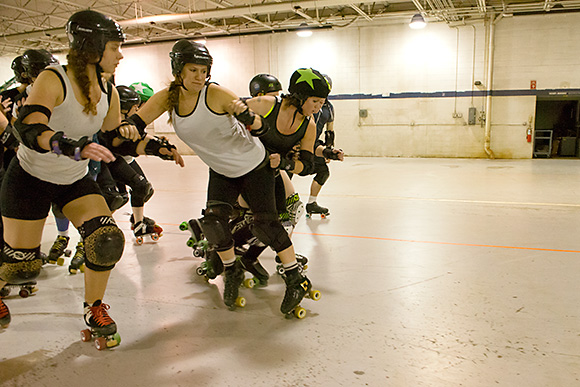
(212, 266)
(298, 286)
(78, 260)
(4, 315)
(25, 289)
(58, 249)
(100, 325)
(141, 229)
(314, 208)
(197, 240)
(149, 222)
(234, 276)
(254, 267)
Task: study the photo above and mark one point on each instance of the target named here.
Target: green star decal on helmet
(308, 76)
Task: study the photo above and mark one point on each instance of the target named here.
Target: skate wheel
(82, 268)
(183, 226)
(315, 295)
(197, 252)
(60, 261)
(300, 312)
(199, 271)
(86, 335)
(24, 293)
(5, 292)
(280, 269)
(305, 267)
(308, 214)
(67, 253)
(241, 302)
(249, 283)
(154, 237)
(139, 240)
(72, 270)
(100, 343)
(114, 341)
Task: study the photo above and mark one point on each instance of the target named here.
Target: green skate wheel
(114, 340)
(183, 226)
(190, 242)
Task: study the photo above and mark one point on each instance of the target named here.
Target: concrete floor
(433, 272)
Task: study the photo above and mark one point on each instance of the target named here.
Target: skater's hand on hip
(274, 160)
(97, 152)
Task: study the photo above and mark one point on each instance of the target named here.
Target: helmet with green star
(144, 90)
(307, 82)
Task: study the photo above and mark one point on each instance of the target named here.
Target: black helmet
(128, 97)
(90, 31)
(34, 61)
(18, 70)
(263, 84)
(185, 51)
(328, 80)
(307, 82)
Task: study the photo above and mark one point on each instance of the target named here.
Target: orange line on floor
(439, 243)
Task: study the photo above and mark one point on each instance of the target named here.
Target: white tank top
(220, 140)
(69, 118)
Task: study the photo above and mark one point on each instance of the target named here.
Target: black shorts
(26, 197)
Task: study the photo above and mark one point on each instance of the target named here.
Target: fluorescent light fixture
(417, 22)
(303, 31)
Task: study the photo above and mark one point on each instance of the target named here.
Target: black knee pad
(322, 174)
(19, 265)
(114, 198)
(215, 225)
(141, 191)
(103, 241)
(268, 229)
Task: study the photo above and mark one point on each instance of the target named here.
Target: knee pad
(114, 199)
(215, 225)
(141, 191)
(323, 173)
(268, 229)
(18, 266)
(295, 208)
(103, 241)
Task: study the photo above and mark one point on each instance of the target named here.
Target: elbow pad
(28, 134)
(307, 159)
(8, 138)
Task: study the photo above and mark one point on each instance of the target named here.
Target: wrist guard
(247, 117)
(8, 138)
(328, 153)
(329, 138)
(287, 164)
(62, 145)
(154, 146)
(138, 122)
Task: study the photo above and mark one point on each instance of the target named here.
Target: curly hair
(77, 62)
(173, 98)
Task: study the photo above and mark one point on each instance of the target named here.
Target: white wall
(395, 64)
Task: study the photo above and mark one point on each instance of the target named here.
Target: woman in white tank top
(223, 132)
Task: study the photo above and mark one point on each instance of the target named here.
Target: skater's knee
(141, 191)
(19, 265)
(103, 242)
(268, 230)
(215, 225)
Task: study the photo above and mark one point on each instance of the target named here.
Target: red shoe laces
(3, 309)
(100, 314)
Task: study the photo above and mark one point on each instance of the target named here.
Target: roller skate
(234, 277)
(149, 222)
(314, 208)
(197, 240)
(141, 229)
(254, 267)
(211, 267)
(4, 315)
(26, 289)
(100, 325)
(78, 260)
(302, 264)
(58, 249)
(298, 286)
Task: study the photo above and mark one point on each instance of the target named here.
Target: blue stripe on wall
(452, 94)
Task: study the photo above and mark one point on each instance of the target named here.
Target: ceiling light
(417, 22)
(304, 31)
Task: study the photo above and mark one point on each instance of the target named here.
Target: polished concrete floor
(433, 272)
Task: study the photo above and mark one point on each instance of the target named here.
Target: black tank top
(276, 142)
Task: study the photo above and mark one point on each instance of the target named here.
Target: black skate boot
(149, 222)
(58, 249)
(234, 276)
(141, 229)
(197, 240)
(100, 325)
(212, 266)
(302, 264)
(4, 315)
(78, 260)
(254, 267)
(314, 208)
(298, 286)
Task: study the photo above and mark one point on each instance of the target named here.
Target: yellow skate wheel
(315, 295)
(241, 302)
(60, 261)
(82, 268)
(249, 283)
(300, 312)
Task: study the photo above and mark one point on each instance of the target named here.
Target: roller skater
(100, 325)
(77, 262)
